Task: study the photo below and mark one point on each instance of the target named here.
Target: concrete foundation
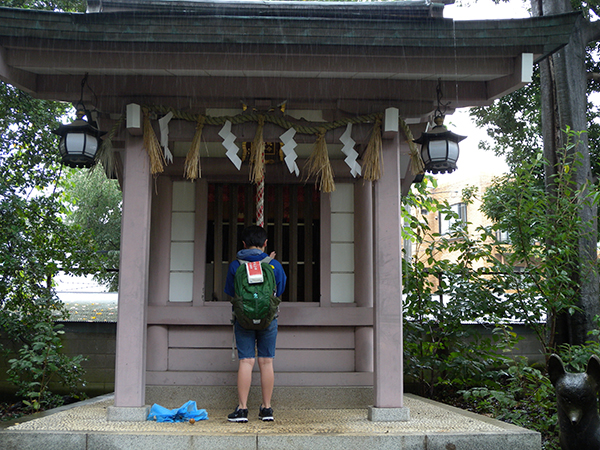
(120, 414)
(388, 414)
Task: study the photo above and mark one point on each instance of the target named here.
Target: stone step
(225, 397)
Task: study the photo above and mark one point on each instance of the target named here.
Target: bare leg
(267, 380)
(244, 381)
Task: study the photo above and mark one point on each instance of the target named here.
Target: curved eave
(539, 34)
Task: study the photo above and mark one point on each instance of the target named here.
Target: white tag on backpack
(254, 271)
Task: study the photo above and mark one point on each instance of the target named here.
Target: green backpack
(255, 304)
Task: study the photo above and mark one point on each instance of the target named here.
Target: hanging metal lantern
(79, 140)
(439, 147)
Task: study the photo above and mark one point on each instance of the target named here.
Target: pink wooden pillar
(130, 371)
(388, 346)
(363, 257)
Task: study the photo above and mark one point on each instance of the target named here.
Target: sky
(471, 159)
(486, 9)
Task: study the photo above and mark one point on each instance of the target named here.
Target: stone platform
(432, 426)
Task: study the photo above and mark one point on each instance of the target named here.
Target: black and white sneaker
(239, 415)
(265, 414)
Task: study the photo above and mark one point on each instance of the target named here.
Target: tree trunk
(564, 104)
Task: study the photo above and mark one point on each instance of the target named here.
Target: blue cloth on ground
(182, 414)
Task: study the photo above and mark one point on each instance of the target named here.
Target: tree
(563, 83)
(448, 288)
(58, 5)
(535, 266)
(35, 241)
(33, 235)
(94, 204)
(468, 276)
(558, 102)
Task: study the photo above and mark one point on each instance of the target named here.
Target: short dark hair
(254, 236)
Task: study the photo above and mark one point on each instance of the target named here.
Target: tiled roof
(338, 9)
(351, 27)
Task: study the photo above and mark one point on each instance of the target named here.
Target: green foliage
(35, 242)
(59, 5)
(521, 395)
(544, 231)
(94, 204)
(524, 396)
(514, 125)
(587, 7)
(443, 296)
(465, 277)
(40, 363)
(576, 357)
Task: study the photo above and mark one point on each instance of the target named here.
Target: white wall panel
(181, 286)
(342, 257)
(342, 244)
(182, 256)
(342, 199)
(183, 196)
(342, 227)
(342, 288)
(182, 226)
(181, 280)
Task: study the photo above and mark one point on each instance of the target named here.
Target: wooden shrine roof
(354, 56)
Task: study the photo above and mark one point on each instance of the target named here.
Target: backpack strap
(265, 260)
(233, 343)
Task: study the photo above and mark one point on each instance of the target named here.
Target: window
(446, 222)
(182, 242)
(292, 217)
(502, 236)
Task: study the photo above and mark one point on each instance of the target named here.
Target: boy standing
(253, 342)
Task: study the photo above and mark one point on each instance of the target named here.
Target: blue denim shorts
(251, 343)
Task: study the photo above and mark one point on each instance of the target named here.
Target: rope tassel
(372, 167)
(192, 167)
(106, 153)
(152, 146)
(416, 162)
(319, 166)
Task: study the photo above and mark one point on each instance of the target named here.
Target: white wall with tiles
(342, 243)
(182, 242)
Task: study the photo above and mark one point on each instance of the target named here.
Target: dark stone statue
(577, 399)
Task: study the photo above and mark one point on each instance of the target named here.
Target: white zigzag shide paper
(289, 146)
(349, 151)
(228, 143)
